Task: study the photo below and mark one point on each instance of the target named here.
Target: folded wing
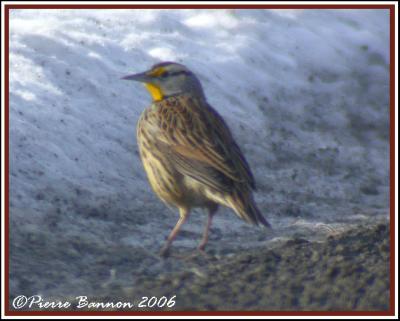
(201, 146)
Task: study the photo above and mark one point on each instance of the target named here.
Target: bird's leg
(204, 240)
(183, 213)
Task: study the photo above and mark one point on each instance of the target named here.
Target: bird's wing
(200, 143)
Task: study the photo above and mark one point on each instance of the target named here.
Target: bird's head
(167, 79)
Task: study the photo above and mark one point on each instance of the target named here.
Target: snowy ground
(305, 93)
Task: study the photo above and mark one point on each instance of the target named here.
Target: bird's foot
(198, 254)
(164, 252)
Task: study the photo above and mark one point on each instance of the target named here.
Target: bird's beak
(142, 77)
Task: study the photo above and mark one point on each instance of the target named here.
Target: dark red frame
(390, 312)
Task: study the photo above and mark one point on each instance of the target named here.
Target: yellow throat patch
(154, 91)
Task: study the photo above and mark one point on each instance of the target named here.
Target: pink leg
(206, 232)
(184, 213)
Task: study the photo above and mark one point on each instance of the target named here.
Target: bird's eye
(165, 74)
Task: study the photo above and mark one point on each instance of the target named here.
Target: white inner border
(395, 3)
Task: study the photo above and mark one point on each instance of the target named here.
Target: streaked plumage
(188, 151)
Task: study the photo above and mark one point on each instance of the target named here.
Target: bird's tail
(244, 206)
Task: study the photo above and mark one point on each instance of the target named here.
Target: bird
(189, 153)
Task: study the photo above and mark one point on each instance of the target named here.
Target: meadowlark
(188, 152)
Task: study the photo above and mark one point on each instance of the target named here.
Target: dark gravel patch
(346, 272)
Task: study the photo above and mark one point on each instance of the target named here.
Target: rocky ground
(347, 272)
